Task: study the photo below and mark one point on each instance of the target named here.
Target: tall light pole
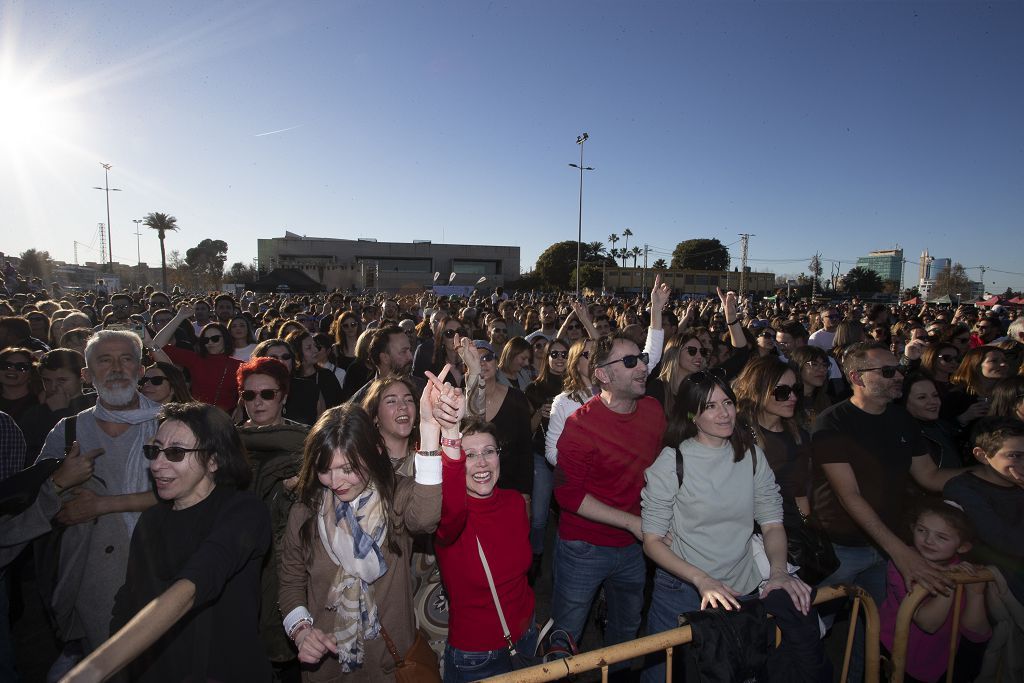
(138, 236)
(108, 189)
(579, 229)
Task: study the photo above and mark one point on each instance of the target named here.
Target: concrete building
(688, 282)
(370, 264)
(888, 263)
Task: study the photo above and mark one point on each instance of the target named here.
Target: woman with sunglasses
(19, 381)
(302, 396)
(811, 363)
(446, 352)
(726, 486)
(307, 370)
(242, 337)
(940, 361)
(767, 394)
(212, 369)
(345, 579)
(577, 389)
(274, 445)
(980, 370)
(164, 383)
(346, 332)
(196, 554)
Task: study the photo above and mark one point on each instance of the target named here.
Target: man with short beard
(100, 515)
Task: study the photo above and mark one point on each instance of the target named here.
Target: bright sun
(30, 118)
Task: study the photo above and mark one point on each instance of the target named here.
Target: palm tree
(627, 233)
(612, 239)
(635, 253)
(161, 222)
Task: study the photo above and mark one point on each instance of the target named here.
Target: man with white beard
(100, 514)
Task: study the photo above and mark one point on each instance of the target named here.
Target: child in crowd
(992, 496)
(941, 533)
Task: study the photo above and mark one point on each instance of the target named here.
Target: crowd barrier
(606, 656)
(906, 614)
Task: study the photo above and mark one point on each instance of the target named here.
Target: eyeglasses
(585, 354)
(283, 357)
(888, 371)
(782, 392)
(629, 361)
(20, 367)
(156, 381)
(558, 354)
(487, 454)
(451, 333)
(948, 357)
(694, 350)
(265, 394)
(212, 339)
(767, 334)
(172, 453)
(487, 357)
(817, 364)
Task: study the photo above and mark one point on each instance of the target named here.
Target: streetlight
(108, 189)
(579, 229)
(138, 236)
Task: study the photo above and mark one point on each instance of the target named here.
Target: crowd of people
(257, 488)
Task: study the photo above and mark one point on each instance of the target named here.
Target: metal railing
(604, 657)
(905, 616)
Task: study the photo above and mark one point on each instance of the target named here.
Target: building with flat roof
(888, 263)
(371, 264)
(688, 282)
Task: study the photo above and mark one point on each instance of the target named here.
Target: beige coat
(302, 583)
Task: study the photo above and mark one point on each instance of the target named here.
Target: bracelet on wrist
(452, 443)
(299, 627)
(57, 487)
(429, 454)
(730, 324)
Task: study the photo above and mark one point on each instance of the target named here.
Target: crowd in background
(258, 487)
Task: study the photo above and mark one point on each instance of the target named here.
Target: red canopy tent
(916, 301)
(1016, 301)
(988, 302)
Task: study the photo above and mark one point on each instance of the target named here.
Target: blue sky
(838, 127)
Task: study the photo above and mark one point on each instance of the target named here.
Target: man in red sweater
(602, 454)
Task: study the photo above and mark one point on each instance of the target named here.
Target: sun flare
(30, 118)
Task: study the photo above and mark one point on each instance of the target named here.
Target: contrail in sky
(273, 132)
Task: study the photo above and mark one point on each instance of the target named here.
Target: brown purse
(418, 665)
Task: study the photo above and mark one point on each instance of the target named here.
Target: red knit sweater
(213, 377)
(501, 524)
(604, 454)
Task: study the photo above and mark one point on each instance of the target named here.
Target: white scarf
(352, 534)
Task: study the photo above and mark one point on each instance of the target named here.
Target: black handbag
(811, 550)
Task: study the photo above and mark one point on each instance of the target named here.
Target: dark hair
(261, 349)
(477, 426)
(1006, 395)
(513, 347)
(379, 341)
(229, 345)
(62, 359)
(263, 365)
(214, 432)
(180, 392)
(295, 339)
(439, 357)
(930, 356)
(968, 375)
(16, 326)
(754, 388)
(951, 514)
(249, 338)
(794, 329)
(989, 433)
(371, 402)
(690, 401)
(347, 429)
(545, 366)
(602, 350)
(223, 297)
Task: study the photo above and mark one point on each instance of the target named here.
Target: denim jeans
(540, 502)
(670, 598)
(861, 566)
(580, 569)
(462, 666)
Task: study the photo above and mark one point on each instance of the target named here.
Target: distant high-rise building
(938, 266)
(922, 269)
(888, 263)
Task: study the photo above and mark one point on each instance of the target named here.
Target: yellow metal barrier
(906, 614)
(606, 656)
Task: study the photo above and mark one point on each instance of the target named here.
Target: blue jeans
(670, 598)
(861, 566)
(580, 569)
(540, 502)
(462, 666)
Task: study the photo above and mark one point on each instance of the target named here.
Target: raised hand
(660, 294)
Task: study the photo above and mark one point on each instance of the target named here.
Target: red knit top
(213, 377)
(502, 525)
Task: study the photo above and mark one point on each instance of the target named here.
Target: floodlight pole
(579, 228)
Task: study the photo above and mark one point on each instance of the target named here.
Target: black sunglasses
(629, 361)
(172, 453)
(155, 381)
(212, 339)
(694, 350)
(558, 354)
(768, 333)
(282, 357)
(265, 394)
(948, 357)
(451, 333)
(20, 367)
(487, 357)
(783, 391)
(888, 371)
(585, 354)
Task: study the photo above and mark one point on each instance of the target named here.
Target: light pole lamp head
(582, 138)
(110, 166)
